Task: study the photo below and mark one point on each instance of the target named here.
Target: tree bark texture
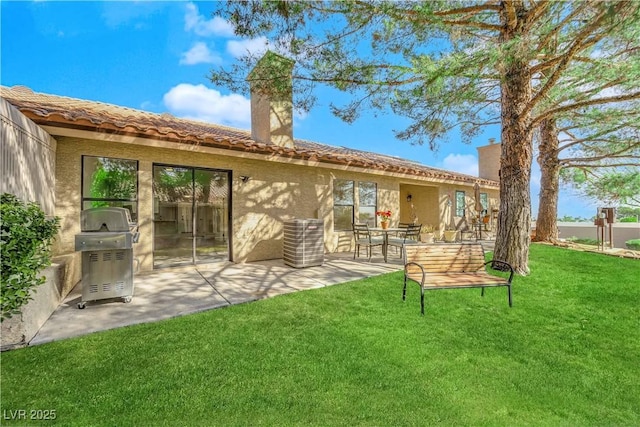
(547, 220)
(514, 217)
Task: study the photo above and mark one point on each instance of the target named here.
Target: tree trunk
(547, 221)
(514, 217)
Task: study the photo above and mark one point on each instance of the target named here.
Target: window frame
(336, 204)
(461, 203)
(373, 221)
(133, 200)
(484, 201)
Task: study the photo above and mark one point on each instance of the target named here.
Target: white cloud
(147, 106)
(137, 14)
(239, 48)
(197, 102)
(197, 23)
(462, 163)
(199, 54)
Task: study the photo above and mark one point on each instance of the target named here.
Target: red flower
(384, 215)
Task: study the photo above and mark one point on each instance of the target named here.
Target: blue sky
(155, 56)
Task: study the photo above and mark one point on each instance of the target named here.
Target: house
(202, 192)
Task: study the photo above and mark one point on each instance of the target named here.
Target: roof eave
(65, 121)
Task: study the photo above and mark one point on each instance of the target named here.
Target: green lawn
(566, 354)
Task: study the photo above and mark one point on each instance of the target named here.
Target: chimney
(489, 160)
(271, 100)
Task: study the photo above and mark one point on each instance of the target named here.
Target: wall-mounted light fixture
(409, 198)
(244, 178)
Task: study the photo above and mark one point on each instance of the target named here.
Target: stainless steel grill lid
(106, 219)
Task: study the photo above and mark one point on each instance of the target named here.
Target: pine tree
(442, 64)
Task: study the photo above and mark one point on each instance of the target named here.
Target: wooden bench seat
(451, 266)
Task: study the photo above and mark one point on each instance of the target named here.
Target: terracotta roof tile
(95, 116)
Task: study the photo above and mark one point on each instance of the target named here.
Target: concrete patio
(168, 293)
(172, 292)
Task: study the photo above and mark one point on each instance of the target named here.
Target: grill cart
(106, 242)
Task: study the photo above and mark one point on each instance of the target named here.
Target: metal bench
(451, 266)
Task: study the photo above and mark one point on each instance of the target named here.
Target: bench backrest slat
(445, 258)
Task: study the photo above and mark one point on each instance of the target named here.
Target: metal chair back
(361, 232)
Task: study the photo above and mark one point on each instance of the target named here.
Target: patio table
(385, 232)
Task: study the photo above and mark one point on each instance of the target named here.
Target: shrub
(633, 244)
(583, 240)
(25, 248)
(629, 219)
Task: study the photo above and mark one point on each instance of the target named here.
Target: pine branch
(539, 9)
(552, 34)
(510, 12)
(470, 9)
(599, 101)
(587, 166)
(476, 24)
(580, 43)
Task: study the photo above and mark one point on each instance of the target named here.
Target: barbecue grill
(106, 242)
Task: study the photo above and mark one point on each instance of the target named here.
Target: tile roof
(60, 111)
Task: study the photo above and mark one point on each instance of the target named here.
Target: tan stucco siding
(274, 192)
(489, 161)
(448, 216)
(424, 206)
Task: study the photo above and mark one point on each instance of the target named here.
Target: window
(460, 203)
(110, 182)
(367, 199)
(484, 201)
(343, 204)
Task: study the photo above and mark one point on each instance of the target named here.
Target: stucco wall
(424, 204)
(489, 161)
(275, 192)
(448, 216)
(20, 329)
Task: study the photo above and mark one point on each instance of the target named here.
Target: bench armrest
(501, 265)
(417, 265)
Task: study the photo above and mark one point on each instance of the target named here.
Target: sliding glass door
(191, 209)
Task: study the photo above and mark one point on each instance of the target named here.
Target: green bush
(633, 244)
(25, 248)
(629, 219)
(583, 240)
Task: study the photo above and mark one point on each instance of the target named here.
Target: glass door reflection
(211, 216)
(191, 215)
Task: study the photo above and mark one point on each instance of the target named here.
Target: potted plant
(427, 233)
(385, 216)
(450, 235)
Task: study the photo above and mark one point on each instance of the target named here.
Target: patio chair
(362, 236)
(403, 225)
(408, 237)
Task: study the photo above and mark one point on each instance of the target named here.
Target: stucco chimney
(489, 160)
(271, 100)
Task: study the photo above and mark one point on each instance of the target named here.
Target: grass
(566, 354)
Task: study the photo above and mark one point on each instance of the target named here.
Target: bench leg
(422, 301)
(509, 291)
(482, 293)
(404, 289)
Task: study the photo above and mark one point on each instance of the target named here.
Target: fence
(28, 159)
(622, 231)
